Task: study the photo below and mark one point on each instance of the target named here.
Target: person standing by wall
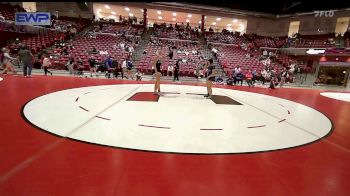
(176, 70)
(26, 57)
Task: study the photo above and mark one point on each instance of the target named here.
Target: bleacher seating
(8, 11)
(263, 41)
(120, 28)
(7, 36)
(186, 68)
(231, 56)
(63, 22)
(179, 32)
(227, 38)
(83, 45)
(314, 41)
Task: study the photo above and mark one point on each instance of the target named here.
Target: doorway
(332, 75)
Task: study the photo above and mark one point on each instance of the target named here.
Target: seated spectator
(230, 80)
(219, 80)
(138, 75)
(249, 78)
(94, 51)
(239, 78)
(170, 70)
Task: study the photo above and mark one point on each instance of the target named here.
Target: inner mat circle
(180, 120)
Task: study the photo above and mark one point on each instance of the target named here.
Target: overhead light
(174, 19)
(131, 15)
(113, 13)
(107, 7)
(160, 18)
(190, 15)
(127, 9)
(141, 10)
(234, 20)
(214, 23)
(174, 13)
(205, 17)
(200, 22)
(228, 25)
(218, 19)
(159, 12)
(187, 20)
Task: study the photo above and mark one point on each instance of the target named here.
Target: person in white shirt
(264, 76)
(265, 53)
(237, 69)
(123, 67)
(170, 70)
(122, 46)
(6, 61)
(46, 65)
(131, 50)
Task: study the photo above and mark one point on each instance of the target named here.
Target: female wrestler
(158, 72)
(211, 78)
(7, 61)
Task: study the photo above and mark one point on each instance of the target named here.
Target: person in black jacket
(176, 70)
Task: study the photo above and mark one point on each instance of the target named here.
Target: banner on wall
(33, 18)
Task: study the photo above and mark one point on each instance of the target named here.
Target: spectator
(46, 65)
(92, 63)
(138, 75)
(109, 66)
(129, 67)
(249, 78)
(170, 70)
(123, 67)
(239, 78)
(26, 57)
(80, 67)
(70, 66)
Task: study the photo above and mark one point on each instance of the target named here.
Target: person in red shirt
(249, 78)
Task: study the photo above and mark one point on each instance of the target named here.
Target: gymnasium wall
(309, 24)
(70, 9)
